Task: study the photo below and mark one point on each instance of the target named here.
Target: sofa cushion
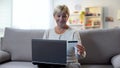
(116, 61)
(15, 64)
(97, 66)
(18, 42)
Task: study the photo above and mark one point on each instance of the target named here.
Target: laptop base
(41, 65)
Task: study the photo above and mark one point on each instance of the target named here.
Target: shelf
(74, 20)
(93, 26)
(75, 14)
(75, 24)
(93, 17)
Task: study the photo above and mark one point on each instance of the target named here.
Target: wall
(110, 8)
(5, 14)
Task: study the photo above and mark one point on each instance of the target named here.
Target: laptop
(46, 51)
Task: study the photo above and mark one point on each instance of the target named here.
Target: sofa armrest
(4, 56)
(1, 39)
(116, 61)
(0, 43)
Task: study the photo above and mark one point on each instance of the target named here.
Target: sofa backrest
(101, 45)
(18, 42)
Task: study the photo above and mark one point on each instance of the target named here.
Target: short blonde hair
(61, 8)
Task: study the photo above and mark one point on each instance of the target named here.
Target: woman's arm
(80, 47)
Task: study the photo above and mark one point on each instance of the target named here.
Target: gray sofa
(102, 46)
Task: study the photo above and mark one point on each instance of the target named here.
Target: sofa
(102, 47)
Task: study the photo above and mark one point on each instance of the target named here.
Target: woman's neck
(60, 30)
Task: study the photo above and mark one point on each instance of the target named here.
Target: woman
(63, 32)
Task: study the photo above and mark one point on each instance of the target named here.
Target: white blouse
(69, 35)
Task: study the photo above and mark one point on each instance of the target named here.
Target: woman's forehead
(61, 13)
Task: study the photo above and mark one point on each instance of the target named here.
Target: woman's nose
(61, 17)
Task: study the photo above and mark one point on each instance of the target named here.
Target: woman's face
(61, 19)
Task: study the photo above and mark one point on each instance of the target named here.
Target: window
(31, 14)
(5, 15)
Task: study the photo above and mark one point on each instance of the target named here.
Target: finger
(80, 47)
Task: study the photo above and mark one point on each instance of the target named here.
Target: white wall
(110, 8)
(5, 14)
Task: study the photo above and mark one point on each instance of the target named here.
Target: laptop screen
(49, 51)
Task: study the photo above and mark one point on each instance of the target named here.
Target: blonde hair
(61, 8)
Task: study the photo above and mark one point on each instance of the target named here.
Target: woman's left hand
(80, 48)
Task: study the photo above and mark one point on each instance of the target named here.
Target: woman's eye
(61, 16)
(64, 16)
(58, 15)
